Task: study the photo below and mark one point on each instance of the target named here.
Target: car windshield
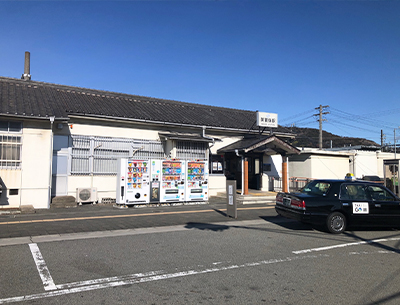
(316, 188)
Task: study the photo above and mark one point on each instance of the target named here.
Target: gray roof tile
(38, 99)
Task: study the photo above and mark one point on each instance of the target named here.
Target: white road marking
(41, 266)
(345, 245)
(108, 279)
(156, 276)
(121, 281)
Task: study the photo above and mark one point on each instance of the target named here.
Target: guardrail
(295, 183)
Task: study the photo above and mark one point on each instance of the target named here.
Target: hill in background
(309, 137)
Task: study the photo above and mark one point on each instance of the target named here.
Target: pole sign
(231, 204)
(266, 119)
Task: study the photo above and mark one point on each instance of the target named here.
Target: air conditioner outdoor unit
(86, 195)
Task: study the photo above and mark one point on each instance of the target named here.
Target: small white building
(313, 163)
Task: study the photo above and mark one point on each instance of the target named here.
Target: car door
(386, 207)
(357, 203)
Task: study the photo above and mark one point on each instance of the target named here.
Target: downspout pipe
(207, 137)
(51, 160)
(241, 156)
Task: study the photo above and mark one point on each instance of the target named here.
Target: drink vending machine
(155, 180)
(172, 181)
(197, 181)
(133, 181)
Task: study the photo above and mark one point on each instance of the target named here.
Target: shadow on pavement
(206, 226)
(282, 222)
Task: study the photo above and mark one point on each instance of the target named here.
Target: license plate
(286, 201)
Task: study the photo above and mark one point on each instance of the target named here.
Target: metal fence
(295, 183)
(98, 155)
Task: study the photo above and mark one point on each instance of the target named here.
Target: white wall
(319, 165)
(216, 183)
(276, 170)
(329, 167)
(365, 163)
(33, 180)
(112, 131)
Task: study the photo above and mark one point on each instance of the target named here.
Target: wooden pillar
(246, 178)
(285, 180)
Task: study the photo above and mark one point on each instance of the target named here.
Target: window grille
(192, 150)
(98, 155)
(10, 144)
(10, 151)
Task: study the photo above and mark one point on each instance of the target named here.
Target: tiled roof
(42, 100)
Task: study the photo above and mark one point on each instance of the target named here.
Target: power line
(296, 115)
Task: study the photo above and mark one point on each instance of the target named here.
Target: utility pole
(320, 120)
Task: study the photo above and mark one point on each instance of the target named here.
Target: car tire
(336, 223)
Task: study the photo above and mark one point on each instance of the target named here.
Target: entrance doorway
(234, 169)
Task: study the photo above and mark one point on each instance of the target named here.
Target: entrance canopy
(269, 145)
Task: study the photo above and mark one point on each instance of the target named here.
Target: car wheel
(336, 223)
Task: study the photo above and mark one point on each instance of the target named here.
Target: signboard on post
(265, 119)
(231, 205)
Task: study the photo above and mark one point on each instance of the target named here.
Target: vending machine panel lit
(197, 181)
(172, 181)
(133, 182)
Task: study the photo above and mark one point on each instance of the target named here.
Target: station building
(55, 139)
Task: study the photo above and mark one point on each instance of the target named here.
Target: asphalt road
(265, 260)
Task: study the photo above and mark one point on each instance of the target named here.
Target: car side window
(379, 194)
(353, 192)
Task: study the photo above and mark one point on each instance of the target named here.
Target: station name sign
(265, 119)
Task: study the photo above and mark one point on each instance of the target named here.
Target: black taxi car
(337, 204)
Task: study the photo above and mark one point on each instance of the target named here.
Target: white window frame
(11, 146)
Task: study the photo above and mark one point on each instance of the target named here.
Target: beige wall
(32, 181)
(216, 184)
(112, 131)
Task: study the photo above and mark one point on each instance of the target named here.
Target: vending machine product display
(133, 181)
(173, 181)
(197, 181)
(155, 180)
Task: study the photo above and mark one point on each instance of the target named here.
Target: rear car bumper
(302, 216)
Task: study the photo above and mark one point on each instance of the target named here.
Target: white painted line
(345, 245)
(108, 279)
(41, 266)
(121, 281)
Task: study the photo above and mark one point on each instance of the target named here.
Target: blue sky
(285, 57)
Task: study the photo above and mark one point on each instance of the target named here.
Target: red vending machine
(196, 181)
(133, 181)
(172, 181)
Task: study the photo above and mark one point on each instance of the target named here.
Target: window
(316, 187)
(6, 126)
(10, 144)
(353, 192)
(379, 194)
(191, 150)
(216, 165)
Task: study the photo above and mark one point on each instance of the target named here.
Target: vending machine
(196, 185)
(172, 181)
(133, 181)
(155, 181)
